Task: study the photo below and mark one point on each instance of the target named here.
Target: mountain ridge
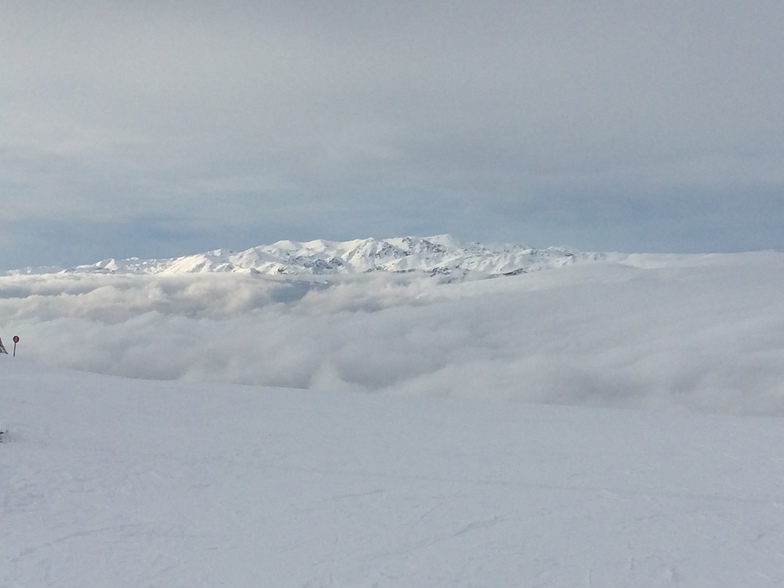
(438, 255)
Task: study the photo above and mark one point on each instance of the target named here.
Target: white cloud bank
(702, 333)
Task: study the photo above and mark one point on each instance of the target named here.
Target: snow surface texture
(128, 483)
(666, 332)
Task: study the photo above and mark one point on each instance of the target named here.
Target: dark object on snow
(2, 349)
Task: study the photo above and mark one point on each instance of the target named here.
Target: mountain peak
(442, 255)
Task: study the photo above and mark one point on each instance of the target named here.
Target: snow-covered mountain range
(436, 255)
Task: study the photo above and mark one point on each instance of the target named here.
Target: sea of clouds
(700, 333)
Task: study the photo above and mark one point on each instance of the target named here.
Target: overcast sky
(165, 128)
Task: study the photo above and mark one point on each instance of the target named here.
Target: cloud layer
(680, 333)
(129, 128)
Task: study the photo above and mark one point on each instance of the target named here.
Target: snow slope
(110, 482)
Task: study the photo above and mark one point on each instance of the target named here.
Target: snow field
(127, 483)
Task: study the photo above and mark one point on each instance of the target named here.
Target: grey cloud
(295, 107)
